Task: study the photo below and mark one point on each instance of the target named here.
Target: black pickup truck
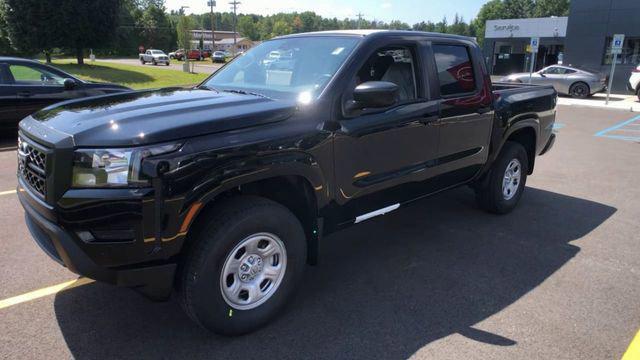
(223, 192)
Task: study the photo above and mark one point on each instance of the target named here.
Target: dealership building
(583, 39)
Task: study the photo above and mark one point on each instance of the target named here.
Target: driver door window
(25, 75)
(395, 65)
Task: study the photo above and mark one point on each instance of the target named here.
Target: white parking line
(8, 192)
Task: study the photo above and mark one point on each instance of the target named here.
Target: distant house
(242, 44)
(223, 40)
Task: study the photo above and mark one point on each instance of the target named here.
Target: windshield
(287, 68)
(157, 52)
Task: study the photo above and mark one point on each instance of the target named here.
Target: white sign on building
(527, 28)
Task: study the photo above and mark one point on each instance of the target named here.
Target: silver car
(566, 80)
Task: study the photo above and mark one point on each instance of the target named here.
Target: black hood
(145, 117)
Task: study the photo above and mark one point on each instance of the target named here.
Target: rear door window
(455, 69)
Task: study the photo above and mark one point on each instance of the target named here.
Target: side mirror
(374, 94)
(69, 84)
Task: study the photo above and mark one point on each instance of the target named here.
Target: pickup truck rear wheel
(506, 180)
(243, 266)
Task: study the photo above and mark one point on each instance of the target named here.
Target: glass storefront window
(630, 52)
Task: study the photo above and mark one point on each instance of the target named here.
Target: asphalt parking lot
(556, 279)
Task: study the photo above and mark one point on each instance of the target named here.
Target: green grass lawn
(135, 77)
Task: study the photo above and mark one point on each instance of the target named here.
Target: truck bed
(518, 101)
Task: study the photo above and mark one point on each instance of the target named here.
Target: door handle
(429, 119)
(24, 93)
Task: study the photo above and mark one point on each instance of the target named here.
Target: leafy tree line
(119, 27)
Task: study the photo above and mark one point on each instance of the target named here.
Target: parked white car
(634, 81)
(155, 57)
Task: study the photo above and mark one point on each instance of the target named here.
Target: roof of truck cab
(376, 33)
(11, 58)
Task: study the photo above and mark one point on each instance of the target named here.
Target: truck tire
(243, 265)
(638, 93)
(142, 61)
(154, 62)
(505, 183)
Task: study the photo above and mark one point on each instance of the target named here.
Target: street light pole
(212, 4)
(185, 66)
(234, 4)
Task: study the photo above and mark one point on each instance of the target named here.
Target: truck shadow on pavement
(383, 289)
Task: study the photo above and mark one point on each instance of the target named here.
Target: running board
(378, 212)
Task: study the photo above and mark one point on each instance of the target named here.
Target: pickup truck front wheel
(503, 188)
(243, 266)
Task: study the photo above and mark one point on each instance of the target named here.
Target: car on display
(223, 192)
(176, 54)
(155, 57)
(577, 83)
(634, 81)
(218, 57)
(27, 86)
(196, 54)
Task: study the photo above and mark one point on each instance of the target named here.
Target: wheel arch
(526, 136)
(293, 191)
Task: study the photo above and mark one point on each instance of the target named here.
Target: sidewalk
(616, 101)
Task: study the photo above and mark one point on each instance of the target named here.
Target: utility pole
(234, 5)
(212, 4)
(360, 15)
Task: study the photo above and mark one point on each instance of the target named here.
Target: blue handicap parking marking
(558, 126)
(628, 130)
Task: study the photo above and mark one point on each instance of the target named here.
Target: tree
(185, 25)
(399, 25)
(518, 9)
(546, 8)
(248, 28)
(280, 28)
(156, 29)
(492, 10)
(5, 45)
(87, 24)
(442, 26)
(32, 25)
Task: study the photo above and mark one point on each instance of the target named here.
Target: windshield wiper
(205, 87)
(243, 92)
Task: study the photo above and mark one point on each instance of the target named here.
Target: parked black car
(224, 191)
(27, 86)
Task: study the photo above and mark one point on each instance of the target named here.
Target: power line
(359, 15)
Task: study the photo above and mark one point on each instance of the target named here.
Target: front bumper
(153, 280)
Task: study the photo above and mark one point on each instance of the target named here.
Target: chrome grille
(32, 166)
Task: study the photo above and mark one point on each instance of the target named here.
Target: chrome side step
(378, 212)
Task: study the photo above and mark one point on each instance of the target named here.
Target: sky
(386, 10)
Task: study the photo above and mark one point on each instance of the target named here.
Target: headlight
(113, 167)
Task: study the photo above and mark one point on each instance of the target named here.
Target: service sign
(616, 44)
